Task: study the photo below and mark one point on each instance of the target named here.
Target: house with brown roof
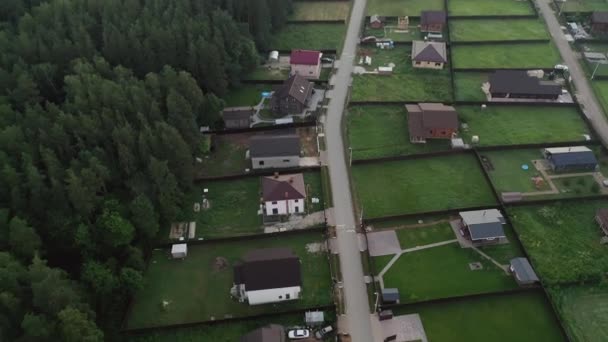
(432, 21)
(517, 84)
(375, 21)
(599, 22)
(431, 121)
(271, 151)
(283, 194)
(306, 63)
(430, 55)
(237, 117)
(267, 275)
(269, 333)
(292, 97)
(601, 217)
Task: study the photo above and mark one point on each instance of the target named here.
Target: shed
(179, 251)
(571, 158)
(375, 21)
(273, 56)
(314, 317)
(523, 271)
(390, 296)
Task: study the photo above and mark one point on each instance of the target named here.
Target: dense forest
(100, 104)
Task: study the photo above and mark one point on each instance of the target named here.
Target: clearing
(309, 36)
(320, 10)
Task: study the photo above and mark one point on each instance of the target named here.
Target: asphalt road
(584, 93)
(355, 294)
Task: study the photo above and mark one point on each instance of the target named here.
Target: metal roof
(556, 150)
(481, 216)
(284, 187)
(579, 156)
(268, 268)
(523, 270)
(274, 145)
(305, 57)
(519, 82)
(490, 230)
(428, 52)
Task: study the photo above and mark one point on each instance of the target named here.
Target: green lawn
(522, 55)
(584, 6)
(505, 252)
(468, 86)
(583, 310)
(262, 73)
(563, 240)
(412, 237)
(309, 36)
(521, 317)
(508, 175)
(246, 95)
(228, 157)
(601, 92)
(492, 29)
(494, 7)
(420, 185)
(380, 131)
(577, 186)
(442, 272)
(381, 261)
(320, 10)
(509, 125)
(197, 290)
(400, 7)
(405, 84)
(413, 31)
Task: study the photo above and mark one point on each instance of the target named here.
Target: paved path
(357, 318)
(584, 93)
(499, 265)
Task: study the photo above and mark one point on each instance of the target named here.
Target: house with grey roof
(523, 272)
(274, 151)
(283, 194)
(292, 97)
(430, 55)
(431, 121)
(482, 227)
(269, 333)
(237, 117)
(518, 84)
(375, 21)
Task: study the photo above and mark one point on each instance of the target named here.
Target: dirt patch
(239, 139)
(316, 247)
(308, 140)
(219, 264)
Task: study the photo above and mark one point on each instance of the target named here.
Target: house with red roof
(283, 194)
(306, 63)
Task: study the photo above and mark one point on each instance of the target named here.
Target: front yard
(399, 7)
(198, 287)
(493, 29)
(563, 240)
(420, 185)
(495, 7)
(309, 36)
(516, 55)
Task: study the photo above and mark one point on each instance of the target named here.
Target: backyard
(320, 10)
(420, 185)
(426, 235)
(467, 86)
(391, 31)
(516, 55)
(405, 84)
(400, 7)
(495, 7)
(492, 29)
(246, 95)
(197, 288)
(563, 240)
(510, 125)
(380, 131)
(521, 317)
(227, 156)
(309, 36)
(584, 6)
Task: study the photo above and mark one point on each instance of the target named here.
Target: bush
(595, 188)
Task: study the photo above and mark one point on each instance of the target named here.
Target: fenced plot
(400, 7)
(583, 6)
(390, 30)
(493, 29)
(246, 95)
(197, 288)
(467, 86)
(516, 55)
(494, 7)
(309, 36)
(601, 90)
(320, 10)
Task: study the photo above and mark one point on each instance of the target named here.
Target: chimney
(290, 180)
(276, 175)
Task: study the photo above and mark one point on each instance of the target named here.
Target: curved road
(357, 320)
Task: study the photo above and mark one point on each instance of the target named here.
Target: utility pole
(597, 65)
(350, 153)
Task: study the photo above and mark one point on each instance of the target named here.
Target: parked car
(298, 334)
(327, 60)
(605, 183)
(321, 333)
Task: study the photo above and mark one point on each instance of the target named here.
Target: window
(261, 162)
(286, 160)
(287, 296)
(275, 211)
(280, 297)
(437, 64)
(310, 72)
(274, 202)
(417, 63)
(295, 201)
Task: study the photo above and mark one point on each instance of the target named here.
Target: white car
(298, 334)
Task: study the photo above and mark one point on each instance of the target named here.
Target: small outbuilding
(269, 333)
(599, 22)
(313, 318)
(390, 296)
(237, 117)
(573, 158)
(375, 21)
(482, 227)
(179, 251)
(523, 272)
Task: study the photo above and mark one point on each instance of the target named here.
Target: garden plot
(494, 7)
(492, 29)
(320, 10)
(309, 36)
(381, 131)
(197, 288)
(584, 311)
(390, 30)
(420, 185)
(516, 55)
(400, 7)
(522, 317)
(406, 83)
(511, 125)
(467, 86)
(563, 240)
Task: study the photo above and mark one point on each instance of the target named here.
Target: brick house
(431, 121)
(599, 22)
(432, 21)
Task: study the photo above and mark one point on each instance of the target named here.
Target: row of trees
(100, 104)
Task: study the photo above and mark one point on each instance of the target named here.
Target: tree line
(100, 104)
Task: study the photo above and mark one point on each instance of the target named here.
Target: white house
(306, 63)
(284, 194)
(268, 275)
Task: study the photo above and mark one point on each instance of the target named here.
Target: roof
(269, 333)
(518, 81)
(483, 224)
(432, 18)
(283, 187)
(428, 52)
(491, 230)
(423, 116)
(274, 145)
(269, 268)
(599, 17)
(602, 215)
(481, 216)
(595, 56)
(569, 149)
(374, 18)
(573, 158)
(237, 113)
(314, 316)
(306, 57)
(179, 248)
(390, 294)
(297, 87)
(523, 270)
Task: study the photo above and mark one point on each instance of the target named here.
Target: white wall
(285, 207)
(272, 295)
(306, 71)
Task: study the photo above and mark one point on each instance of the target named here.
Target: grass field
(494, 7)
(563, 240)
(405, 84)
(380, 131)
(246, 95)
(601, 91)
(492, 29)
(584, 6)
(320, 10)
(412, 237)
(423, 275)
(508, 175)
(522, 317)
(197, 290)
(508, 125)
(584, 310)
(467, 86)
(309, 36)
(516, 55)
(413, 31)
(420, 185)
(400, 7)
(228, 157)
